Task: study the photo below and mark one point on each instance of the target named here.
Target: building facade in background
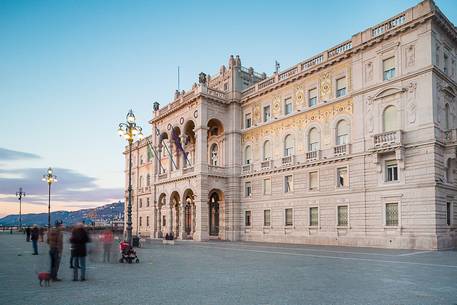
(355, 146)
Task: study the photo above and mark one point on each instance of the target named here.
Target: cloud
(9, 155)
(70, 187)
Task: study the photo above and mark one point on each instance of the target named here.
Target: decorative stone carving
(256, 113)
(299, 95)
(410, 55)
(369, 71)
(411, 103)
(202, 78)
(325, 86)
(276, 106)
(370, 114)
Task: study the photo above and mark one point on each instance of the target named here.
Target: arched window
(288, 146)
(313, 139)
(247, 155)
(446, 117)
(266, 150)
(390, 119)
(214, 155)
(342, 132)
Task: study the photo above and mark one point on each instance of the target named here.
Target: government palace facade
(355, 146)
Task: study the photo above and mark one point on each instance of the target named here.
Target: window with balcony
(390, 120)
(288, 215)
(247, 218)
(446, 116)
(247, 120)
(313, 139)
(445, 63)
(343, 215)
(267, 186)
(288, 146)
(314, 216)
(288, 106)
(266, 113)
(248, 155)
(313, 181)
(312, 97)
(388, 66)
(342, 177)
(341, 87)
(266, 150)
(391, 214)
(247, 189)
(391, 171)
(342, 132)
(266, 218)
(288, 184)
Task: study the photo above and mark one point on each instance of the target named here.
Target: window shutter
(341, 83)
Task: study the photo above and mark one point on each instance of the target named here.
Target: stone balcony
(450, 136)
(387, 140)
(342, 150)
(188, 169)
(313, 155)
(163, 176)
(288, 160)
(266, 164)
(247, 168)
(217, 170)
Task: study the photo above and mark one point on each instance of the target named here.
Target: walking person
(107, 240)
(55, 241)
(34, 234)
(41, 234)
(79, 238)
(27, 231)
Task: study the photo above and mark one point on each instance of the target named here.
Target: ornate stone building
(354, 146)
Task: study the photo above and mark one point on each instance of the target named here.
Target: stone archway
(161, 215)
(216, 213)
(188, 215)
(174, 217)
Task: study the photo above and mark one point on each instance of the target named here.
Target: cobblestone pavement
(216, 273)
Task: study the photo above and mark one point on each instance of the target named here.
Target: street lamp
(129, 131)
(19, 195)
(50, 179)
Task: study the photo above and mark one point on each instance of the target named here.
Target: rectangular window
(342, 177)
(247, 218)
(341, 87)
(313, 216)
(267, 186)
(313, 181)
(288, 184)
(147, 202)
(287, 106)
(343, 215)
(391, 214)
(141, 203)
(448, 213)
(266, 218)
(247, 189)
(164, 220)
(266, 113)
(288, 217)
(388, 66)
(141, 224)
(446, 62)
(147, 221)
(312, 97)
(247, 120)
(391, 171)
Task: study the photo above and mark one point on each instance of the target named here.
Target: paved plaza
(235, 273)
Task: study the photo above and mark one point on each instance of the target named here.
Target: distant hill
(106, 213)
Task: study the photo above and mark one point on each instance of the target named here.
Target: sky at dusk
(70, 71)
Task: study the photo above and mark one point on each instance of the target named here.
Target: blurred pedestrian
(107, 241)
(27, 231)
(79, 238)
(41, 234)
(34, 234)
(55, 241)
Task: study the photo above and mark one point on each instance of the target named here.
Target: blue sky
(70, 70)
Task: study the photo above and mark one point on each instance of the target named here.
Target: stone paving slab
(215, 273)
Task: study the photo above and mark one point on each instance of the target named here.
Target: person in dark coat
(55, 241)
(27, 231)
(34, 235)
(79, 238)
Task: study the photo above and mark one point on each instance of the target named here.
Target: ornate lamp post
(19, 195)
(129, 131)
(50, 179)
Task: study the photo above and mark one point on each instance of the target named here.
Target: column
(201, 221)
(159, 222)
(169, 219)
(182, 221)
(154, 219)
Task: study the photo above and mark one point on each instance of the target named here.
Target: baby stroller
(127, 253)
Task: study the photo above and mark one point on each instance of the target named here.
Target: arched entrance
(161, 215)
(215, 212)
(188, 214)
(174, 214)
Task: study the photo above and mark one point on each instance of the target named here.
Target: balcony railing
(267, 164)
(342, 150)
(390, 138)
(247, 168)
(216, 170)
(288, 160)
(163, 176)
(188, 169)
(313, 155)
(450, 136)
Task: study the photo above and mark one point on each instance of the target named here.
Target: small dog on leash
(44, 276)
